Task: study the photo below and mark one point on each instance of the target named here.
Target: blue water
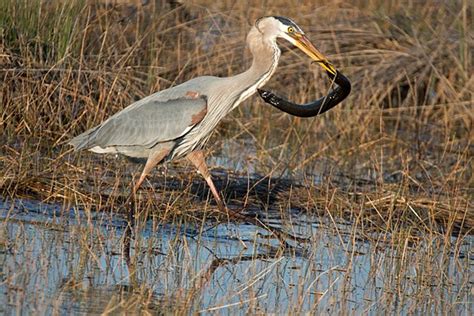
(57, 259)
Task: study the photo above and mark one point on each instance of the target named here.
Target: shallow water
(57, 259)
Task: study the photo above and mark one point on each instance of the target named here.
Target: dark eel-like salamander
(313, 108)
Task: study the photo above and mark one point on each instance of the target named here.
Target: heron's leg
(198, 160)
(154, 159)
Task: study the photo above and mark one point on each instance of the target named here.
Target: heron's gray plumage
(153, 122)
(226, 93)
(143, 125)
(177, 122)
(166, 116)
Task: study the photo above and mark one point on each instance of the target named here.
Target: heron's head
(281, 27)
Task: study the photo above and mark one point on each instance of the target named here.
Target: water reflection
(67, 261)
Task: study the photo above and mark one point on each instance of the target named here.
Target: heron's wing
(146, 123)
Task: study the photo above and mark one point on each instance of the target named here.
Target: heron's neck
(265, 60)
(264, 63)
(234, 90)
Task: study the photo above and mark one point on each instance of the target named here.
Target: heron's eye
(291, 29)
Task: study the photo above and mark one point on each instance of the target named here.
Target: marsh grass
(394, 160)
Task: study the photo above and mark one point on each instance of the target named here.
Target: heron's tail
(85, 140)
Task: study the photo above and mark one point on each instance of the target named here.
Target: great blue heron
(178, 121)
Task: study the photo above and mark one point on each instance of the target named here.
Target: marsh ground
(382, 184)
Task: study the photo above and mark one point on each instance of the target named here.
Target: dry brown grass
(394, 161)
(401, 145)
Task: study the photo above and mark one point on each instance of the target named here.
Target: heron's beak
(303, 43)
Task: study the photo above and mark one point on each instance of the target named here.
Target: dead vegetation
(401, 143)
(394, 160)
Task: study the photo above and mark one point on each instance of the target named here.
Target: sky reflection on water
(68, 262)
